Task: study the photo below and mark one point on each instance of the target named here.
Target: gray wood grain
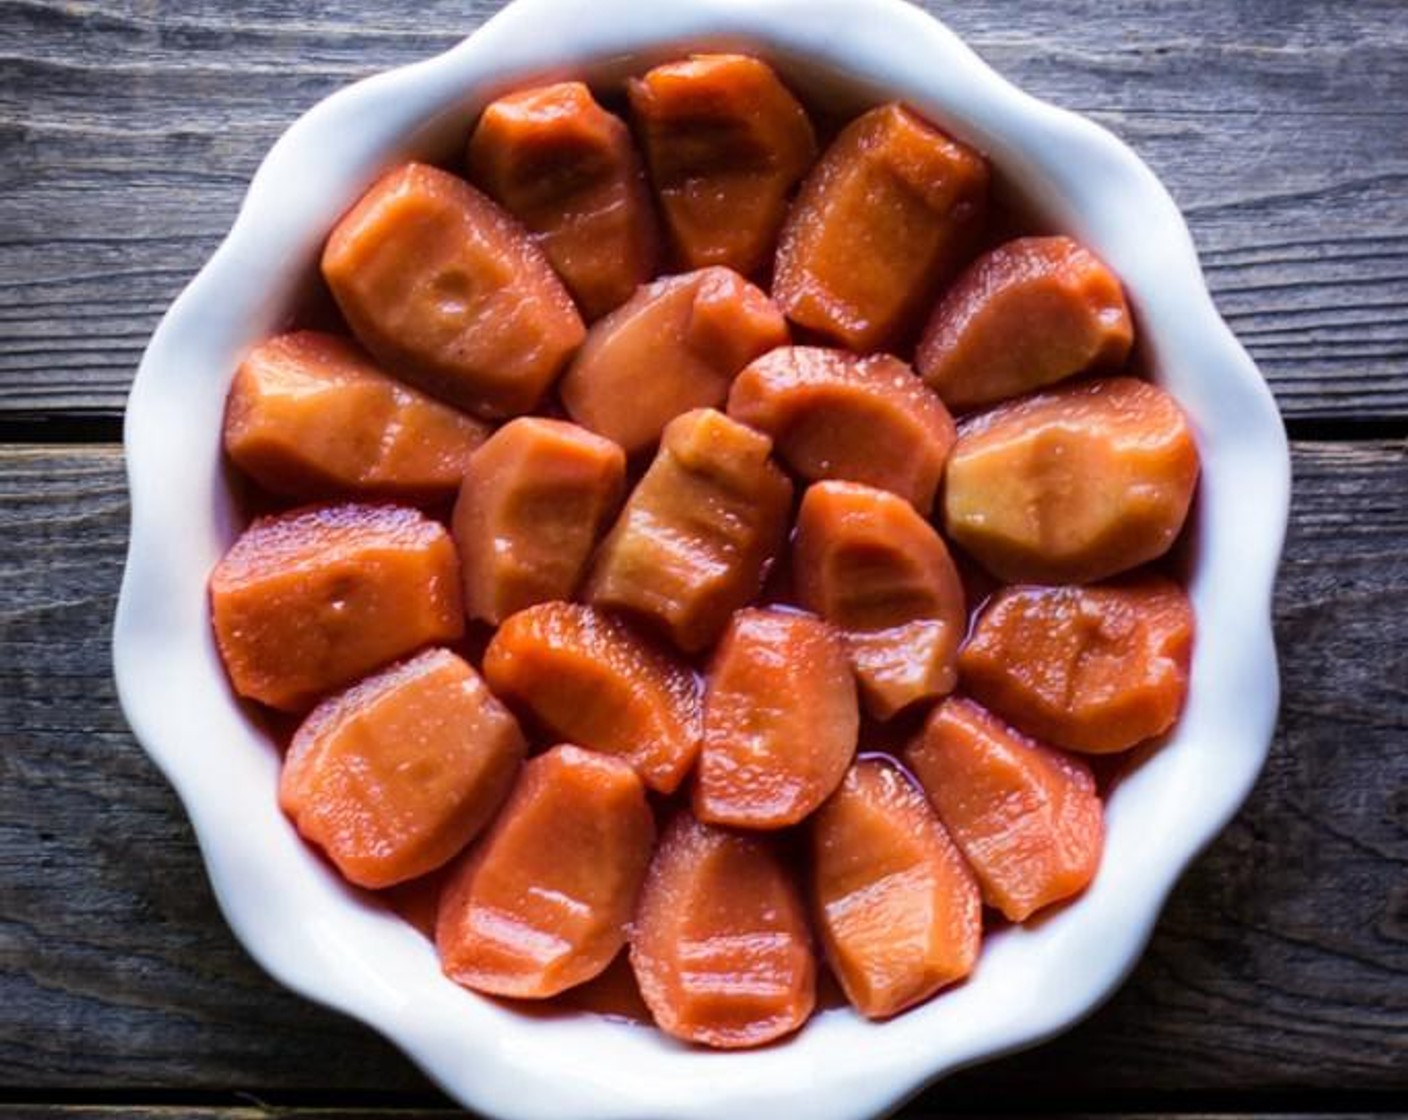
(129, 129)
(1280, 965)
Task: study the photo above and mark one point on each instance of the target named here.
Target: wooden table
(1278, 979)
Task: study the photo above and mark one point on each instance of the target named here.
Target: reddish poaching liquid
(416, 901)
(614, 994)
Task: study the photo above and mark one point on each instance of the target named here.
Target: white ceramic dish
(322, 939)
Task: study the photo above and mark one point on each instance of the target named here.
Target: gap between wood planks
(50, 429)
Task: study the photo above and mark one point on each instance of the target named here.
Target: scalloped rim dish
(326, 941)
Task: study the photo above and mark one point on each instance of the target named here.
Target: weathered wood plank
(1281, 963)
(128, 131)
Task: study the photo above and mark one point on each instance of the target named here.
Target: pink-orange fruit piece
(694, 540)
(393, 777)
(1095, 669)
(780, 721)
(1027, 314)
(446, 289)
(308, 601)
(535, 499)
(1072, 484)
(720, 943)
(309, 415)
(871, 566)
(897, 909)
(543, 901)
(889, 213)
(1025, 815)
(566, 168)
(590, 678)
(837, 415)
(726, 144)
(675, 345)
